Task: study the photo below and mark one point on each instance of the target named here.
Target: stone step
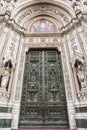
(42, 129)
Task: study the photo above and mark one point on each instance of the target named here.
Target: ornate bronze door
(43, 102)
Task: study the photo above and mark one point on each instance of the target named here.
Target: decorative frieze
(75, 44)
(45, 40)
(66, 76)
(2, 40)
(44, 9)
(84, 40)
(20, 77)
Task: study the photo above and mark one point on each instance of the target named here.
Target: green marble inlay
(81, 123)
(5, 110)
(81, 109)
(5, 123)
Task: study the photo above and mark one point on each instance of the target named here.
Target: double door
(43, 102)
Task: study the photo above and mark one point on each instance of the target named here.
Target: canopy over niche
(43, 26)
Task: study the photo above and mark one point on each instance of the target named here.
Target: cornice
(42, 35)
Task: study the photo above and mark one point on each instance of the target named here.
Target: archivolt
(25, 11)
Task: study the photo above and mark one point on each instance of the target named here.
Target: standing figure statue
(80, 74)
(5, 76)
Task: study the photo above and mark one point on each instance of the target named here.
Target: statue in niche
(80, 74)
(5, 76)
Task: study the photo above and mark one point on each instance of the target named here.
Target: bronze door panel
(43, 102)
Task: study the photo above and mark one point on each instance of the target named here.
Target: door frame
(24, 48)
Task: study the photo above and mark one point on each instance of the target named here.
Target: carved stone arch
(26, 24)
(26, 11)
(23, 5)
(24, 18)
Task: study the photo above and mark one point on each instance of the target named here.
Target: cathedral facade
(43, 64)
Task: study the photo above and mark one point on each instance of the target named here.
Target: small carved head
(8, 64)
(78, 64)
